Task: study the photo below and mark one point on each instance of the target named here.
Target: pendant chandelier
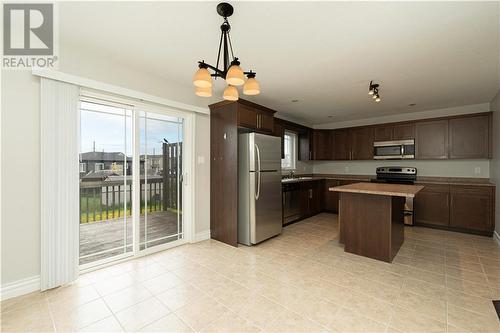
(373, 91)
(230, 71)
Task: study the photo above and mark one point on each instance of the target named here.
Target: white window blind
(59, 183)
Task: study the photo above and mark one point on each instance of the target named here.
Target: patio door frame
(187, 178)
(187, 175)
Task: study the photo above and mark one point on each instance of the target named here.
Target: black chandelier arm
(217, 71)
(231, 46)
(218, 53)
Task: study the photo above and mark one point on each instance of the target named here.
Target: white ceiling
(434, 54)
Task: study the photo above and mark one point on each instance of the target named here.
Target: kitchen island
(371, 218)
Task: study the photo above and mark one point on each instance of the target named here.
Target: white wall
(202, 174)
(455, 168)
(495, 162)
(20, 215)
(20, 164)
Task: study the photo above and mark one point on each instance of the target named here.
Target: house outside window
(83, 167)
(290, 151)
(99, 167)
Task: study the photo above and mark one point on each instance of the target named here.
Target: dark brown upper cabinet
(383, 133)
(247, 117)
(305, 152)
(341, 145)
(362, 143)
(322, 145)
(404, 131)
(431, 139)
(265, 122)
(279, 130)
(457, 137)
(470, 137)
(255, 117)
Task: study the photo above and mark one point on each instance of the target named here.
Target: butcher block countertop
(396, 190)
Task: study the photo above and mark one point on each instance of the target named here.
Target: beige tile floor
(301, 281)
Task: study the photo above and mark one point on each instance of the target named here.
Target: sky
(111, 129)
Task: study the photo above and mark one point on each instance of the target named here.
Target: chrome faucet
(292, 174)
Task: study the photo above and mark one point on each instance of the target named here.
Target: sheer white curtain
(60, 127)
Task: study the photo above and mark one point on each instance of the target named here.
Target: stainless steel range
(399, 175)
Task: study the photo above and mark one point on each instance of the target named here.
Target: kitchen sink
(295, 179)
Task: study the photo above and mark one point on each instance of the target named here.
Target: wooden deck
(109, 235)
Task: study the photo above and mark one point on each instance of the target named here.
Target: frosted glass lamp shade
(203, 92)
(235, 76)
(202, 78)
(251, 87)
(230, 93)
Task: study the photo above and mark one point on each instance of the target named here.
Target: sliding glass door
(128, 158)
(105, 181)
(161, 139)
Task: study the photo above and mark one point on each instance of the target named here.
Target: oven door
(387, 150)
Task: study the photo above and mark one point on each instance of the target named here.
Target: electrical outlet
(346, 169)
(477, 170)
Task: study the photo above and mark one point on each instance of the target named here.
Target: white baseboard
(201, 236)
(20, 287)
(496, 236)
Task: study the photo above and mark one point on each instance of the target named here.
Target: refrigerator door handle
(257, 193)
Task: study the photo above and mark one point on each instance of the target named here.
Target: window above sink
(290, 151)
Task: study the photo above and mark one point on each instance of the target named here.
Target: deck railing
(107, 199)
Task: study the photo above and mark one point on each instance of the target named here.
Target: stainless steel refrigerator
(259, 188)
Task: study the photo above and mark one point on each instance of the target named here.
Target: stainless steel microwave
(394, 150)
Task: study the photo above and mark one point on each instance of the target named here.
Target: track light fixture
(373, 91)
(230, 71)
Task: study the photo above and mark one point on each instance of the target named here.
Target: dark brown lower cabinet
(310, 198)
(431, 205)
(472, 208)
(330, 198)
(317, 199)
(456, 207)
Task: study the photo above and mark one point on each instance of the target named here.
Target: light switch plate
(201, 159)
